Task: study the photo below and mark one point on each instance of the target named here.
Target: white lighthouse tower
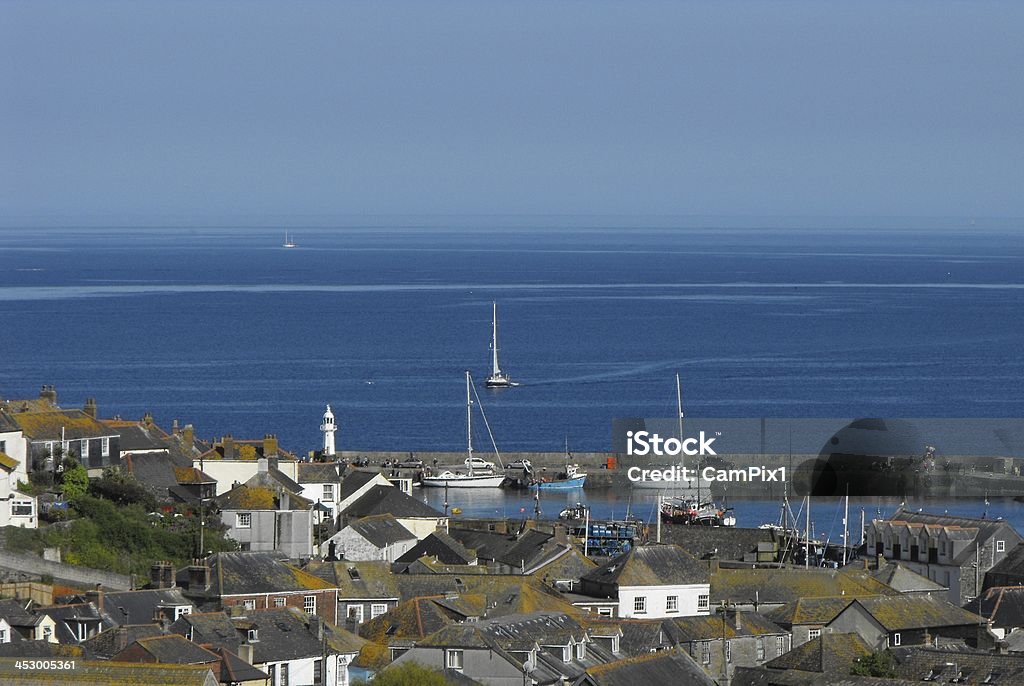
(328, 427)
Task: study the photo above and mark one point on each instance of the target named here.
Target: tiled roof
(389, 500)
(141, 605)
(381, 530)
(722, 542)
(809, 610)
(172, 649)
(367, 580)
(1004, 605)
(650, 565)
(662, 667)
(829, 653)
(106, 644)
(56, 425)
(788, 585)
(918, 662)
(318, 473)
(903, 612)
(441, 546)
(8, 462)
(411, 620)
(139, 436)
(234, 670)
(898, 577)
(709, 627)
(355, 480)
(238, 573)
(107, 673)
(506, 594)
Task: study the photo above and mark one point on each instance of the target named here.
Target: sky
(209, 112)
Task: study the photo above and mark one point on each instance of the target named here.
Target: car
(520, 464)
(478, 463)
(412, 463)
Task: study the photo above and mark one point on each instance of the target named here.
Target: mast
(679, 411)
(495, 370)
(469, 422)
(807, 536)
(846, 524)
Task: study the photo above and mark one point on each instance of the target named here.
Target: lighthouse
(328, 427)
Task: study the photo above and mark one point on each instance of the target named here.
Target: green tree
(880, 664)
(74, 482)
(409, 674)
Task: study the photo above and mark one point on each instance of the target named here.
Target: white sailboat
(498, 378)
(288, 242)
(683, 490)
(453, 477)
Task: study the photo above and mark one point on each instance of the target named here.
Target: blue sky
(217, 111)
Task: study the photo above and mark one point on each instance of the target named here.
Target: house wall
(14, 445)
(657, 596)
(743, 653)
(95, 462)
(421, 527)
(287, 531)
(350, 545)
(377, 480)
(227, 472)
(300, 671)
(326, 601)
(854, 619)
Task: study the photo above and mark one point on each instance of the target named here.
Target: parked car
(412, 463)
(521, 464)
(478, 464)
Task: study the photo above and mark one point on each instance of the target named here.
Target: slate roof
(155, 471)
(238, 498)
(106, 644)
(382, 499)
(8, 462)
(234, 669)
(1008, 570)
(526, 550)
(366, 580)
(650, 565)
(64, 616)
(170, 649)
(809, 611)
(896, 576)
(903, 612)
(214, 629)
(48, 426)
(965, 528)
(1004, 605)
(409, 621)
(139, 436)
(722, 542)
(747, 676)
(829, 653)
(106, 673)
(238, 573)
(787, 585)
(15, 613)
(710, 627)
(319, 473)
(355, 480)
(26, 648)
(381, 530)
(915, 663)
(505, 594)
(287, 634)
(442, 546)
(662, 667)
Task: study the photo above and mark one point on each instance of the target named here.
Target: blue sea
(225, 329)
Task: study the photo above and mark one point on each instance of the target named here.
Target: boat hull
(489, 481)
(559, 484)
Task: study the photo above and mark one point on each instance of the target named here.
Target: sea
(225, 329)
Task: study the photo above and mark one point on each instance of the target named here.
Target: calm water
(225, 329)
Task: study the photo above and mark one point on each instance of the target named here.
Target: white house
(648, 582)
(16, 508)
(380, 537)
(321, 483)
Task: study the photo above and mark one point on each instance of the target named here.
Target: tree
(879, 664)
(409, 674)
(74, 482)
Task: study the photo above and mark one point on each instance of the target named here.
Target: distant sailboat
(498, 378)
(288, 242)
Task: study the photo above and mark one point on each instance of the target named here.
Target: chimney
(198, 574)
(121, 638)
(713, 565)
(269, 445)
(879, 561)
(174, 427)
(228, 444)
(561, 534)
(245, 652)
(49, 394)
(90, 407)
(262, 465)
(96, 597)
(236, 610)
(867, 563)
(738, 617)
(161, 575)
(147, 419)
(316, 627)
(188, 435)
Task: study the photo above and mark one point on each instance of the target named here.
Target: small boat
(498, 378)
(288, 242)
(567, 480)
(454, 477)
(694, 513)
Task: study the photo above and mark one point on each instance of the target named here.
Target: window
(48, 446)
(318, 671)
(377, 609)
(703, 602)
(705, 652)
(1000, 546)
(253, 635)
(284, 674)
(249, 604)
(3, 446)
(83, 451)
(3, 635)
(278, 602)
(813, 634)
(896, 639)
(581, 651)
(183, 610)
(355, 612)
(309, 604)
(243, 520)
(672, 603)
(760, 649)
(47, 633)
(640, 605)
(453, 659)
(22, 508)
(780, 645)
(105, 446)
(329, 492)
(728, 651)
(604, 612)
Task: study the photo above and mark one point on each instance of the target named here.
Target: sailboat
(288, 242)
(498, 378)
(682, 490)
(455, 477)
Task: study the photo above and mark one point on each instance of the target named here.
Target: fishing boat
(467, 476)
(568, 479)
(288, 241)
(498, 378)
(696, 513)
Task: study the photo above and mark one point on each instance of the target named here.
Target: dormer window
(581, 650)
(453, 659)
(253, 635)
